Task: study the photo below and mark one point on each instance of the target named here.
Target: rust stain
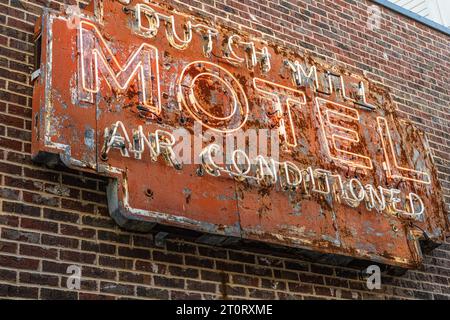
(145, 191)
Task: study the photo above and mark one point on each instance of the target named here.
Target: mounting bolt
(149, 193)
(200, 171)
(160, 239)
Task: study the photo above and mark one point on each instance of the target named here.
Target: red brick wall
(53, 218)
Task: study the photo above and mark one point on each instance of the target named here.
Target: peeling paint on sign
(117, 83)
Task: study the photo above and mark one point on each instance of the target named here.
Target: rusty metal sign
(207, 128)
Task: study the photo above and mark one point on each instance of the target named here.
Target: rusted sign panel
(203, 127)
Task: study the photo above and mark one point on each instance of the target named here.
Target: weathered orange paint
(74, 130)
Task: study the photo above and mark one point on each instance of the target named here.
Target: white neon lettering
(96, 56)
(154, 22)
(391, 162)
(281, 95)
(187, 98)
(338, 139)
(252, 56)
(268, 172)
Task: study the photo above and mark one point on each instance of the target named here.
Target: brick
(336, 282)
(348, 274)
(227, 266)
(214, 276)
(98, 273)
(40, 199)
(93, 197)
(77, 206)
(41, 175)
(145, 241)
(85, 284)
(61, 215)
(19, 134)
(22, 292)
(79, 182)
(55, 267)
(132, 277)
(212, 252)
(115, 288)
(23, 184)
(98, 247)
(9, 220)
(310, 278)
(245, 280)
(323, 291)
(180, 295)
(437, 296)
(81, 257)
(241, 257)
(9, 194)
(20, 208)
(134, 253)
(39, 279)
(322, 269)
(301, 266)
(273, 284)
(52, 294)
(8, 247)
(201, 286)
(300, 287)
(269, 262)
(152, 293)
(57, 241)
(236, 291)
(10, 120)
(288, 296)
(18, 263)
(113, 237)
(261, 294)
(150, 267)
(8, 275)
(168, 282)
(259, 271)
(94, 296)
(98, 222)
(181, 247)
(38, 251)
(116, 262)
(70, 230)
(198, 262)
(183, 272)
(22, 236)
(39, 225)
(167, 257)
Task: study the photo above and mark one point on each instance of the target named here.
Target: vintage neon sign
(349, 177)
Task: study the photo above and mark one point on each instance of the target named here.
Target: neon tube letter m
(97, 58)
